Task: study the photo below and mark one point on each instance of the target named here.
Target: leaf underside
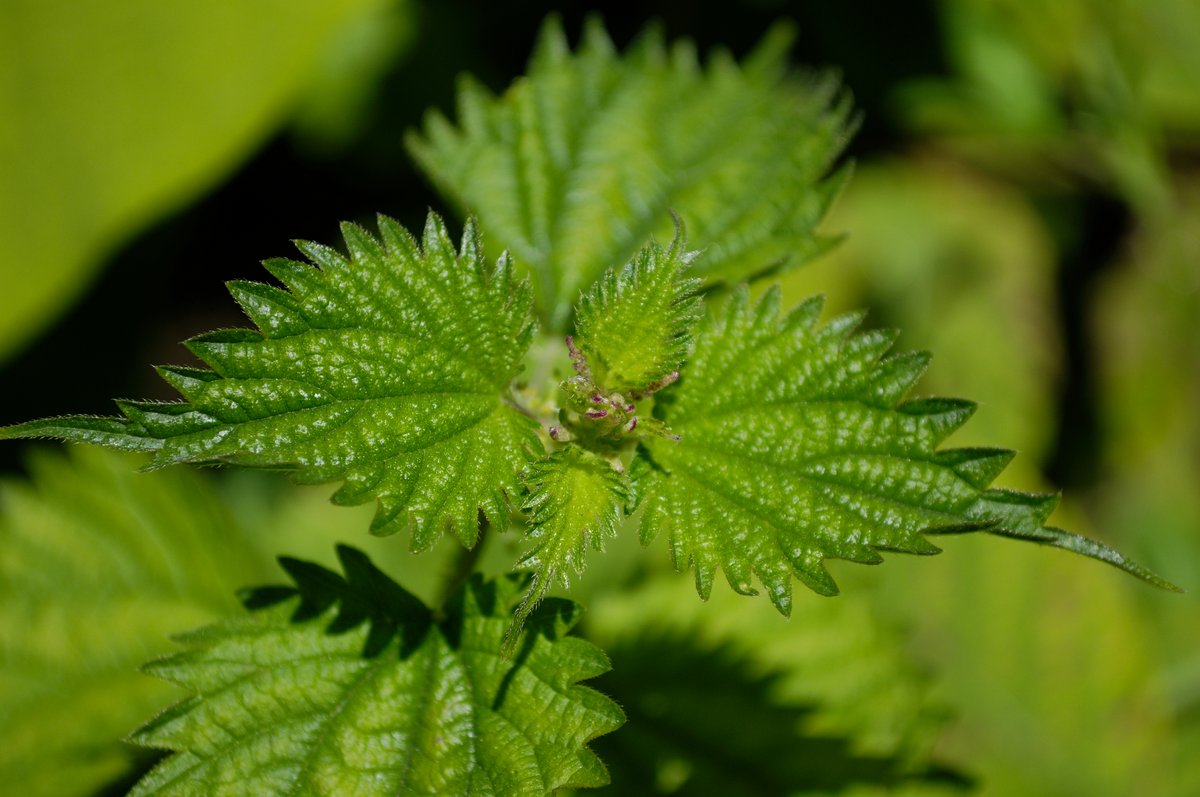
(386, 369)
(579, 162)
(798, 446)
(348, 685)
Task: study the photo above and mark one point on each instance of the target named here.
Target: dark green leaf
(798, 445)
(349, 685)
(388, 369)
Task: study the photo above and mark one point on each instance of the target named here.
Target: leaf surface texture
(634, 325)
(581, 161)
(349, 685)
(798, 445)
(576, 501)
(387, 369)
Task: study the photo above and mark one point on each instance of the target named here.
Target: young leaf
(579, 162)
(576, 501)
(387, 369)
(634, 326)
(98, 563)
(348, 685)
(797, 446)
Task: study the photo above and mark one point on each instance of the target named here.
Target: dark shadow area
(140, 763)
(363, 595)
(706, 722)
(1090, 230)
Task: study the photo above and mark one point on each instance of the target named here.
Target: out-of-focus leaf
(337, 102)
(708, 722)
(580, 161)
(832, 672)
(1146, 321)
(98, 564)
(114, 113)
(963, 267)
(1024, 688)
(1079, 90)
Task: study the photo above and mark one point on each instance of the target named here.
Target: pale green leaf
(388, 369)
(966, 269)
(98, 563)
(576, 501)
(349, 685)
(577, 164)
(634, 326)
(798, 446)
(117, 113)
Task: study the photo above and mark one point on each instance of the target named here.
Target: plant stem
(463, 564)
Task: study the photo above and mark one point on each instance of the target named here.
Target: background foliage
(1025, 204)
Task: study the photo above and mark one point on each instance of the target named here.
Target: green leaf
(798, 446)
(349, 685)
(577, 164)
(576, 501)
(634, 326)
(98, 563)
(118, 113)
(387, 369)
(684, 697)
(840, 659)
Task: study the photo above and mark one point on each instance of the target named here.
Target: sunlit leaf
(576, 502)
(388, 369)
(798, 445)
(349, 685)
(635, 324)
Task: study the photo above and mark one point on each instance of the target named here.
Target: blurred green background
(1026, 204)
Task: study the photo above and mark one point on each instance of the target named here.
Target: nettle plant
(605, 368)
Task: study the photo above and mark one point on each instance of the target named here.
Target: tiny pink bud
(596, 414)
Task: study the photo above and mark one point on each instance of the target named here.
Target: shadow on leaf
(364, 594)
